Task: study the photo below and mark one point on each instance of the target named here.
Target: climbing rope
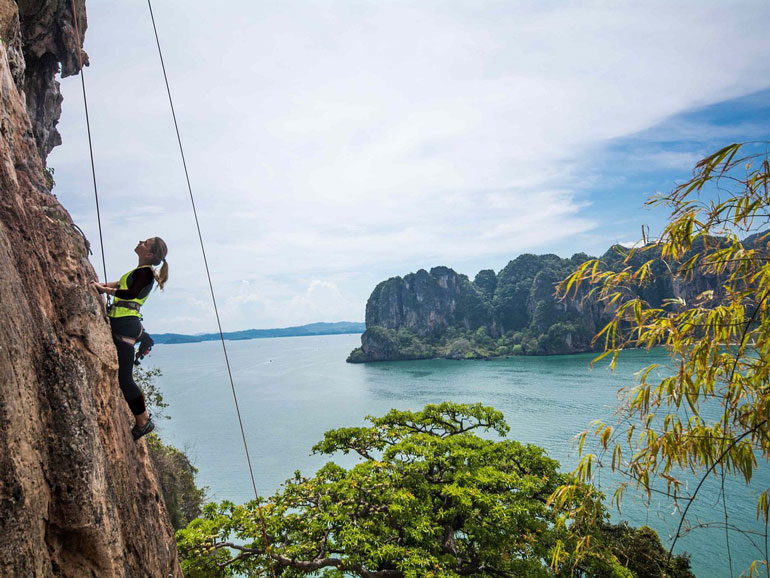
(211, 289)
(88, 130)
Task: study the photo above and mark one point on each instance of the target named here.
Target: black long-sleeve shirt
(139, 280)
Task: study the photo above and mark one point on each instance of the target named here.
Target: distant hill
(338, 328)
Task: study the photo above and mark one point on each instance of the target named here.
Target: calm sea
(292, 390)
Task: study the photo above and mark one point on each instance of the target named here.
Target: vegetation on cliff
(175, 473)
(429, 497)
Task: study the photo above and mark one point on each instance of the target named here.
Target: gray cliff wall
(425, 303)
(78, 496)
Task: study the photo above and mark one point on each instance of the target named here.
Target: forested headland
(443, 314)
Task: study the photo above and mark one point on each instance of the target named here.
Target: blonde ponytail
(160, 250)
(162, 276)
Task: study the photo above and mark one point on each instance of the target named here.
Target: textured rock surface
(78, 496)
(49, 45)
(426, 303)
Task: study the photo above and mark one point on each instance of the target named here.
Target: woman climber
(125, 320)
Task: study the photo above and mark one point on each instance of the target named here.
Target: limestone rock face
(78, 496)
(50, 45)
(425, 303)
(515, 312)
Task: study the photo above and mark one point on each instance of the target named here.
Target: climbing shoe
(138, 432)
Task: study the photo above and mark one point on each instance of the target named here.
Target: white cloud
(353, 138)
(324, 301)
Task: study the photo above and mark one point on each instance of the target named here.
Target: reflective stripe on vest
(127, 307)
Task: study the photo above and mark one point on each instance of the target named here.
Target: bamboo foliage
(719, 343)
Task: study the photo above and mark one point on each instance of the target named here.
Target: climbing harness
(132, 305)
(125, 339)
(144, 340)
(129, 307)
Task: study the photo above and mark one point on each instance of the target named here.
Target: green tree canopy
(428, 498)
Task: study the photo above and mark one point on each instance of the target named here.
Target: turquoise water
(292, 390)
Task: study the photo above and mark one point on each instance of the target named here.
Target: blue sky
(334, 144)
(629, 170)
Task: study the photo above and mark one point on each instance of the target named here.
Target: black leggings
(130, 326)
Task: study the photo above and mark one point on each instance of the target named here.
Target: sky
(334, 144)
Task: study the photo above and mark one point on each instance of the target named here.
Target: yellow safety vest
(129, 307)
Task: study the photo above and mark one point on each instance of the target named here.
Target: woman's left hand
(99, 287)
